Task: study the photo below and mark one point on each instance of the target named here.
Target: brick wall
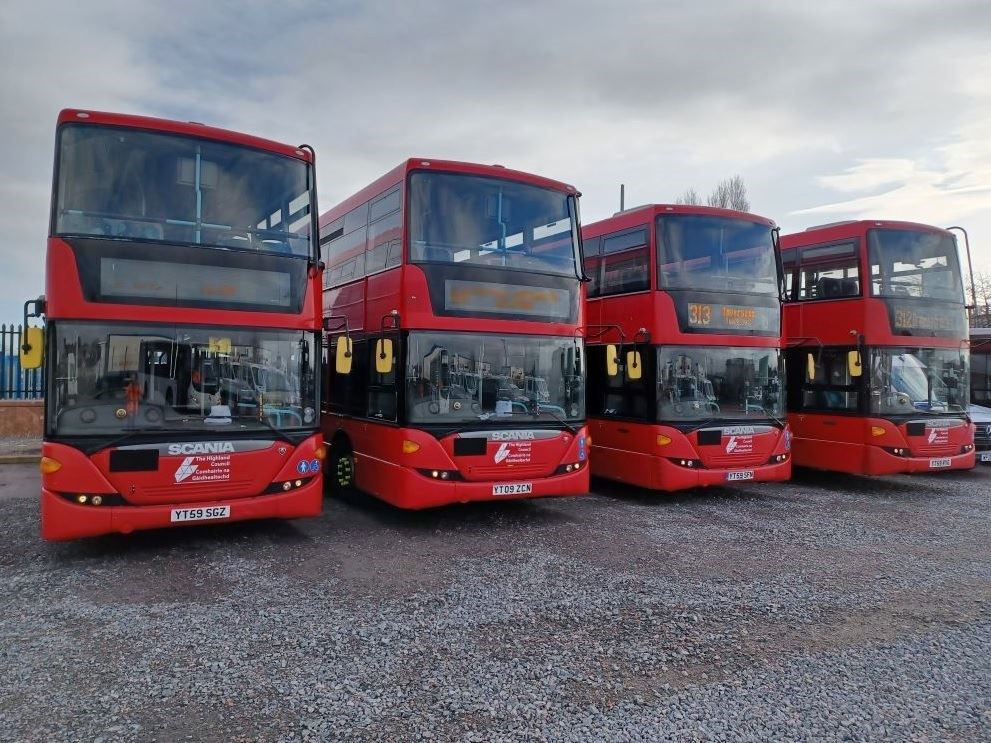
(21, 418)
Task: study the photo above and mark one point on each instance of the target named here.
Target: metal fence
(15, 383)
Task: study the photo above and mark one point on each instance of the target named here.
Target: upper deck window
(131, 184)
(907, 263)
(714, 253)
(822, 272)
(618, 263)
(479, 221)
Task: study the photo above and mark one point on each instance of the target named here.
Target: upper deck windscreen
(907, 263)
(715, 253)
(137, 185)
(479, 221)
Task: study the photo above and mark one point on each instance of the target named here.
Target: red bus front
(879, 363)
(182, 348)
(686, 376)
(457, 286)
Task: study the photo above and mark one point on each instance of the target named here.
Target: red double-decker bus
(686, 381)
(878, 352)
(455, 368)
(182, 348)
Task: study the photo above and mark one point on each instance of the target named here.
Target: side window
(385, 231)
(331, 380)
(382, 386)
(624, 263)
(832, 389)
(789, 262)
(828, 272)
(593, 263)
(619, 396)
(347, 391)
(358, 391)
(343, 247)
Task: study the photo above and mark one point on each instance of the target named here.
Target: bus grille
(199, 491)
(731, 460)
(501, 472)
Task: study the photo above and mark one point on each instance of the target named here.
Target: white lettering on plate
(202, 447)
(211, 468)
(512, 436)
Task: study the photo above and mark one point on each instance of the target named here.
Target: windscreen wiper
(265, 422)
(572, 429)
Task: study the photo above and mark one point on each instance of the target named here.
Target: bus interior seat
(435, 253)
(234, 241)
(851, 287)
(276, 246)
(827, 288)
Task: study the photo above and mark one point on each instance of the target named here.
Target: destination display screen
(506, 299)
(934, 319)
(171, 281)
(723, 317)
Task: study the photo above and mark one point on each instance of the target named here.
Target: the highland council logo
(501, 453)
(731, 445)
(186, 469)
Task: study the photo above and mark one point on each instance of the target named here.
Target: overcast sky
(828, 110)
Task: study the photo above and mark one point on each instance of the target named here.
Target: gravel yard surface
(831, 607)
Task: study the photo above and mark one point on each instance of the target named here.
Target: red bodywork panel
(385, 471)
(627, 451)
(237, 480)
(381, 468)
(844, 442)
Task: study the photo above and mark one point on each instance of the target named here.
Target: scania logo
(512, 436)
(202, 447)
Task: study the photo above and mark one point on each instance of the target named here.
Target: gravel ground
(831, 607)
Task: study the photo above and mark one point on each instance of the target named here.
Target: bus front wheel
(340, 473)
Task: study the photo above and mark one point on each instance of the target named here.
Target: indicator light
(877, 431)
(49, 465)
(96, 500)
(663, 440)
(411, 447)
(80, 499)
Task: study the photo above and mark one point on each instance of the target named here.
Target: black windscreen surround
(736, 314)
(473, 291)
(126, 272)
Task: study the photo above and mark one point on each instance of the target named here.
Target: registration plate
(512, 488)
(740, 475)
(938, 463)
(986, 456)
(201, 514)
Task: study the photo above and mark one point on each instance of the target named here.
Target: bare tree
(731, 193)
(690, 197)
(980, 316)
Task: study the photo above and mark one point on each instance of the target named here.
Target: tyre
(340, 470)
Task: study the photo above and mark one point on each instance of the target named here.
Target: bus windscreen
(128, 184)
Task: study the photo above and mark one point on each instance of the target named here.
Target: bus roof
(398, 174)
(187, 128)
(850, 228)
(639, 214)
